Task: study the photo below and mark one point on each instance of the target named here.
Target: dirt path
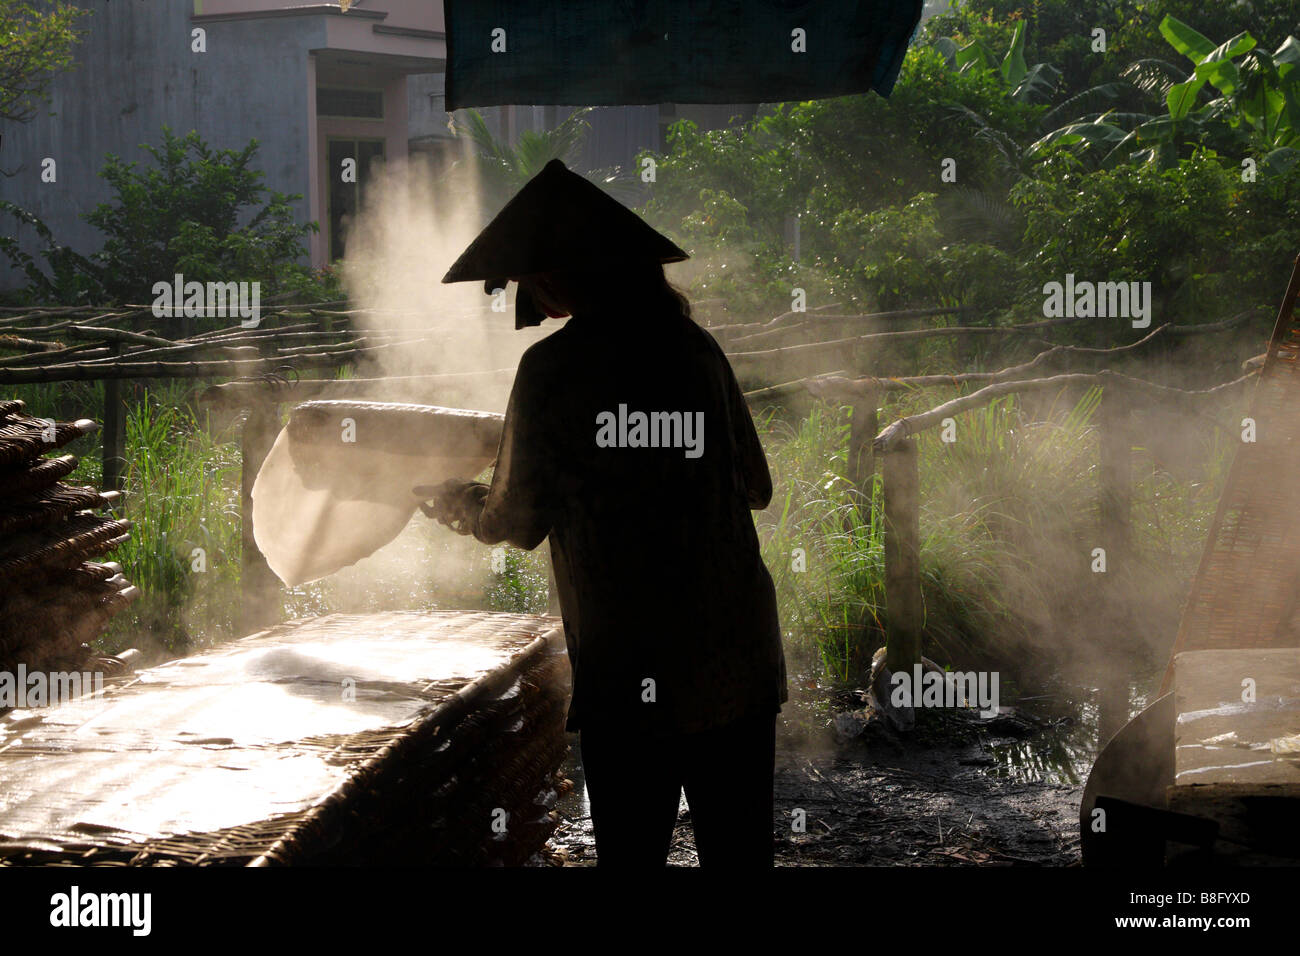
(921, 809)
(933, 798)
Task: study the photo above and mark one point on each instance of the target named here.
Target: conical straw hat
(559, 220)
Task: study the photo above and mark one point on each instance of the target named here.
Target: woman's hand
(456, 503)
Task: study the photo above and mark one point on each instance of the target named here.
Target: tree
(72, 278)
(1059, 32)
(504, 169)
(201, 212)
(1024, 83)
(1257, 110)
(34, 46)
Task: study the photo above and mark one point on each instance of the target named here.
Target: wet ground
(957, 790)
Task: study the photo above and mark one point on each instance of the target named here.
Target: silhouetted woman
(628, 442)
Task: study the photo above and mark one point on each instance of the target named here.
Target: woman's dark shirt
(655, 553)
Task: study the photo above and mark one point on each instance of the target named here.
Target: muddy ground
(939, 795)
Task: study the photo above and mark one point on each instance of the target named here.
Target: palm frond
(1012, 153)
(1153, 76)
(1096, 99)
(472, 125)
(506, 168)
(976, 215)
(1038, 85)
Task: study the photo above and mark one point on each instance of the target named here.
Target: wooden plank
(247, 394)
(1227, 764)
(1116, 472)
(114, 453)
(1185, 399)
(906, 613)
(862, 429)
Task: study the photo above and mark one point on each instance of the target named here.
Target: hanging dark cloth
(605, 52)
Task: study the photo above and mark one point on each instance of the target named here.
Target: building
(314, 83)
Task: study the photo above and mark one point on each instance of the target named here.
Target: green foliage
(1023, 83)
(1008, 517)
(903, 257)
(832, 612)
(520, 586)
(1058, 32)
(1136, 223)
(503, 169)
(1040, 189)
(1140, 34)
(836, 164)
(818, 158)
(720, 217)
(181, 493)
(1256, 112)
(71, 278)
(200, 212)
(301, 285)
(36, 42)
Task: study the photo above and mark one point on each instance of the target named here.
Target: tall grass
(1008, 509)
(823, 545)
(1009, 518)
(182, 496)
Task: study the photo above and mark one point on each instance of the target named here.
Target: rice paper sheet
(337, 484)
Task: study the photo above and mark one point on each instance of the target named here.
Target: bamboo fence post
(259, 588)
(862, 430)
(902, 527)
(1115, 513)
(1116, 472)
(114, 453)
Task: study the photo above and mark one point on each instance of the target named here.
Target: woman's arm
(518, 504)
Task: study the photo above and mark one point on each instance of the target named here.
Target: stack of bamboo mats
(54, 598)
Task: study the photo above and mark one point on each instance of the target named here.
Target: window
(353, 104)
(346, 197)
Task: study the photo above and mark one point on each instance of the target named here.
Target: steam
(412, 225)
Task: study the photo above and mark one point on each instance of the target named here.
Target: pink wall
(411, 14)
(352, 33)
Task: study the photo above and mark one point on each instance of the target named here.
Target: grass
(182, 488)
(1008, 521)
(822, 545)
(182, 496)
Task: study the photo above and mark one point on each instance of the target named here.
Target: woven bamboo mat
(248, 749)
(35, 476)
(1246, 589)
(24, 439)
